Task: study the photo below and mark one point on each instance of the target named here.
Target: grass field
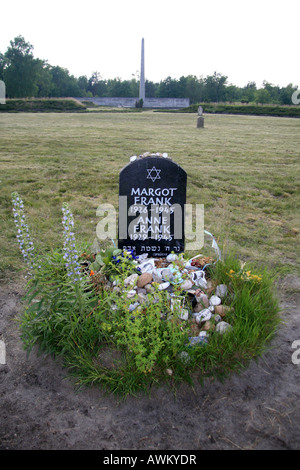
(244, 169)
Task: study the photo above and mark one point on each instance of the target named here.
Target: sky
(248, 41)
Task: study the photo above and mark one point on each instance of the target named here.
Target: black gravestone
(152, 195)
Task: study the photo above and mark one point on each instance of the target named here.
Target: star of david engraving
(153, 174)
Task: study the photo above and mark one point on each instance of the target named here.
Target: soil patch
(257, 409)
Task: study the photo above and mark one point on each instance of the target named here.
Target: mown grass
(244, 169)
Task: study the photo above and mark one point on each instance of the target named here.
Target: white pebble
(222, 327)
(131, 294)
(133, 306)
(172, 257)
(214, 300)
(163, 286)
(184, 315)
(221, 290)
(203, 315)
(130, 280)
(203, 334)
(186, 285)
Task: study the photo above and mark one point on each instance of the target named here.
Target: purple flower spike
(70, 256)
(23, 235)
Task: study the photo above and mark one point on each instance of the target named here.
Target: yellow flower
(256, 278)
(106, 326)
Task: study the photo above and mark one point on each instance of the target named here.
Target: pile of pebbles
(201, 302)
(148, 154)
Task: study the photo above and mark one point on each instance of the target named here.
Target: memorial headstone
(2, 92)
(200, 119)
(152, 195)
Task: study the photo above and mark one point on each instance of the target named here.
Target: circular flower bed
(125, 327)
(125, 322)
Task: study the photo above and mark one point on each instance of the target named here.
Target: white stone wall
(166, 102)
(148, 102)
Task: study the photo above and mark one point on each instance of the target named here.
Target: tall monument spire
(142, 74)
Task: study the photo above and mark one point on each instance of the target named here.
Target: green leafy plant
(114, 262)
(151, 335)
(107, 338)
(104, 258)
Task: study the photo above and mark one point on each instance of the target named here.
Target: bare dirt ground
(259, 409)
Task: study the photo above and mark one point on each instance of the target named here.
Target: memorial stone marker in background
(200, 119)
(2, 92)
(152, 195)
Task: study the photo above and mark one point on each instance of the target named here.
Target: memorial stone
(152, 195)
(200, 119)
(2, 92)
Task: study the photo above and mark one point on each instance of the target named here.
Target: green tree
(82, 82)
(117, 87)
(262, 96)
(285, 95)
(168, 88)
(96, 85)
(233, 93)
(273, 91)
(190, 87)
(134, 87)
(44, 80)
(63, 84)
(249, 92)
(151, 89)
(215, 89)
(21, 70)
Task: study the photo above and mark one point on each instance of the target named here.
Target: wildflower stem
(23, 235)
(70, 252)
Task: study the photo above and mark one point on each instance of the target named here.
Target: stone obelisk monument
(142, 74)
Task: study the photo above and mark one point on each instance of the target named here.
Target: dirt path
(258, 409)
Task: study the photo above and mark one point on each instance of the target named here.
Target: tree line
(26, 76)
